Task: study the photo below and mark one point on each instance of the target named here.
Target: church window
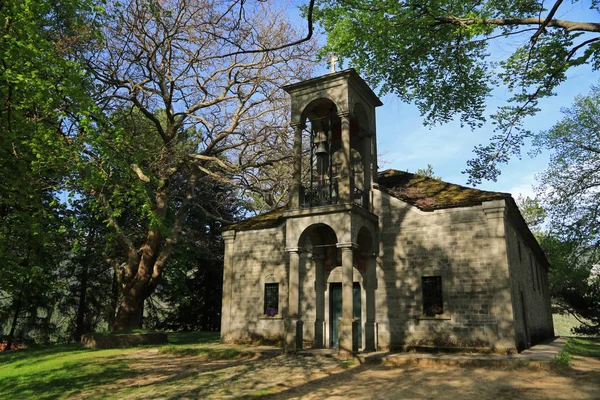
(271, 299)
(433, 303)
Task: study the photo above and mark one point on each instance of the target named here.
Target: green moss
(431, 194)
(262, 221)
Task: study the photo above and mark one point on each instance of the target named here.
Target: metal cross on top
(332, 59)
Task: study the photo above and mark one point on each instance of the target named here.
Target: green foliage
(198, 103)
(571, 182)
(572, 289)
(43, 90)
(562, 359)
(428, 172)
(532, 211)
(569, 189)
(436, 54)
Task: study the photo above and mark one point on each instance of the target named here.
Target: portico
(332, 246)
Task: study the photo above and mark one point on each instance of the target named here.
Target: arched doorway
(342, 303)
(319, 242)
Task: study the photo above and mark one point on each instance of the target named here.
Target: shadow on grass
(66, 380)
(587, 347)
(209, 353)
(194, 337)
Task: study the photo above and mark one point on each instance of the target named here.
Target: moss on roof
(425, 193)
(262, 221)
(432, 194)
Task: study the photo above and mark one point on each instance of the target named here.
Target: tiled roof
(432, 194)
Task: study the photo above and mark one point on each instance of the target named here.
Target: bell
(321, 149)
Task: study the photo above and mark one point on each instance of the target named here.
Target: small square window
(271, 299)
(433, 303)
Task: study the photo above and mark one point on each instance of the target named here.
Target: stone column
(293, 324)
(344, 186)
(319, 302)
(295, 188)
(346, 337)
(229, 239)
(371, 286)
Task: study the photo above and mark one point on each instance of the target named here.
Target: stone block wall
(494, 287)
(530, 291)
(466, 247)
(252, 259)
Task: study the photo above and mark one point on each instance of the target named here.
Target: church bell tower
(335, 147)
(331, 231)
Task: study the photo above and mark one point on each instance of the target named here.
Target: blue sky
(405, 144)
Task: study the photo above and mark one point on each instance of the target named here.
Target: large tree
(570, 186)
(436, 53)
(40, 87)
(189, 296)
(570, 190)
(201, 82)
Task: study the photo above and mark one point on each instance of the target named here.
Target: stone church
(362, 260)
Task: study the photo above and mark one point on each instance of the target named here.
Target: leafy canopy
(570, 186)
(436, 53)
(570, 190)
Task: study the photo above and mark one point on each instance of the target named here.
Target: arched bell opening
(321, 140)
(360, 155)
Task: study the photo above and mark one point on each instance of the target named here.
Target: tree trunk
(13, 326)
(80, 327)
(114, 301)
(131, 311)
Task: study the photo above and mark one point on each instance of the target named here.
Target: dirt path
(379, 382)
(270, 376)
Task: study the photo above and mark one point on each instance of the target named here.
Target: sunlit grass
(587, 347)
(56, 372)
(66, 371)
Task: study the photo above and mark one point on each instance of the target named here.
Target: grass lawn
(581, 346)
(69, 370)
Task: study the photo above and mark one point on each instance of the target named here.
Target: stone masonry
(362, 260)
